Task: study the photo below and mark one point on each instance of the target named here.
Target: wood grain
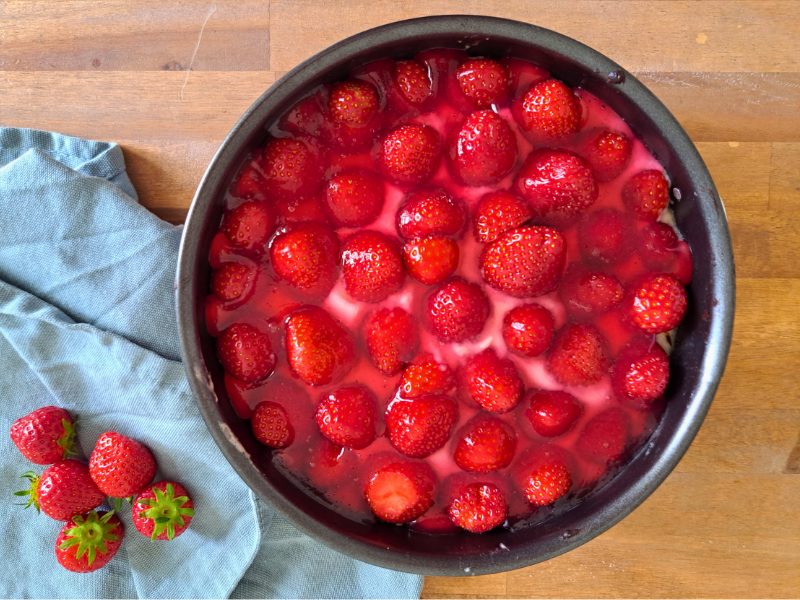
(167, 80)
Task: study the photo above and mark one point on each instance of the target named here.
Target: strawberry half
(483, 81)
(318, 347)
(421, 426)
(401, 492)
(479, 508)
(492, 382)
(271, 425)
(431, 259)
(348, 416)
(486, 444)
(233, 283)
(291, 168)
(606, 237)
(413, 81)
(482, 150)
(456, 310)
(120, 466)
(425, 376)
(64, 490)
(44, 436)
(552, 413)
(249, 226)
(604, 437)
(528, 329)
(163, 511)
(578, 355)
(608, 153)
(429, 212)
(647, 194)
(354, 198)
(307, 257)
(587, 294)
(640, 374)
(88, 543)
(392, 337)
(372, 266)
(525, 262)
(498, 212)
(245, 352)
(548, 111)
(409, 154)
(657, 303)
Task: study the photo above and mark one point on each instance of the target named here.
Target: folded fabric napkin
(87, 322)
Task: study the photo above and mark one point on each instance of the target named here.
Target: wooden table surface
(168, 79)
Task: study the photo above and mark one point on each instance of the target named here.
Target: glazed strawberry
(498, 212)
(578, 355)
(245, 352)
(305, 117)
(647, 194)
(431, 259)
(429, 212)
(120, 466)
(480, 507)
(640, 374)
(456, 310)
(64, 490)
(307, 257)
(392, 338)
(548, 111)
(603, 438)
(492, 382)
(586, 294)
(354, 198)
(409, 154)
(525, 262)
(414, 81)
(552, 413)
(546, 482)
(522, 75)
(271, 425)
(420, 426)
(88, 543)
(372, 266)
(249, 183)
(557, 184)
(486, 444)
(483, 81)
(318, 347)
(658, 246)
(657, 303)
(425, 376)
(353, 103)
(348, 416)
(400, 492)
(606, 237)
(163, 511)
(330, 464)
(482, 150)
(291, 168)
(249, 226)
(528, 329)
(233, 282)
(44, 436)
(608, 153)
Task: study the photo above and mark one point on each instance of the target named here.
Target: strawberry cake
(445, 291)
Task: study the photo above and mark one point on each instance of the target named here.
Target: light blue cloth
(87, 322)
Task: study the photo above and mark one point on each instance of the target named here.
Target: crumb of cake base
(412, 149)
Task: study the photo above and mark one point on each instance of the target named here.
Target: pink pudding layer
(593, 245)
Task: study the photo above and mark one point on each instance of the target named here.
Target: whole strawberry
(372, 266)
(482, 150)
(492, 382)
(426, 376)
(163, 511)
(608, 153)
(318, 347)
(578, 355)
(64, 490)
(497, 212)
(485, 444)
(392, 337)
(307, 257)
(271, 425)
(348, 416)
(245, 352)
(120, 466)
(548, 111)
(429, 212)
(409, 154)
(89, 542)
(45, 435)
(483, 81)
(657, 303)
(421, 426)
(249, 226)
(456, 310)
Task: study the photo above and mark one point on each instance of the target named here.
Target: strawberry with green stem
(64, 490)
(44, 436)
(163, 511)
(89, 542)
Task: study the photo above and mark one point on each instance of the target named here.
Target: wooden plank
(765, 242)
(741, 172)
(784, 183)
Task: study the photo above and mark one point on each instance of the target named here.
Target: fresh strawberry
(606, 237)
(330, 464)
(271, 425)
(372, 266)
(234, 282)
(249, 226)
(603, 438)
(486, 444)
(401, 492)
(307, 257)
(318, 347)
(87, 543)
(658, 246)
(425, 376)
(608, 153)
(431, 259)
(640, 374)
(557, 184)
(245, 352)
(392, 337)
(552, 413)
(420, 426)
(525, 262)
(548, 111)
(354, 198)
(456, 310)
(547, 481)
(306, 117)
(64, 490)
(291, 168)
(483, 81)
(647, 194)
(429, 212)
(482, 150)
(44, 436)
(657, 303)
(163, 511)
(492, 382)
(528, 329)
(586, 294)
(480, 507)
(409, 154)
(120, 466)
(414, 81)
(497, 212)
(578, 355)
(348, 416)
(353, 103)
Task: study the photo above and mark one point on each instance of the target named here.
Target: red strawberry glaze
(427, 93)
